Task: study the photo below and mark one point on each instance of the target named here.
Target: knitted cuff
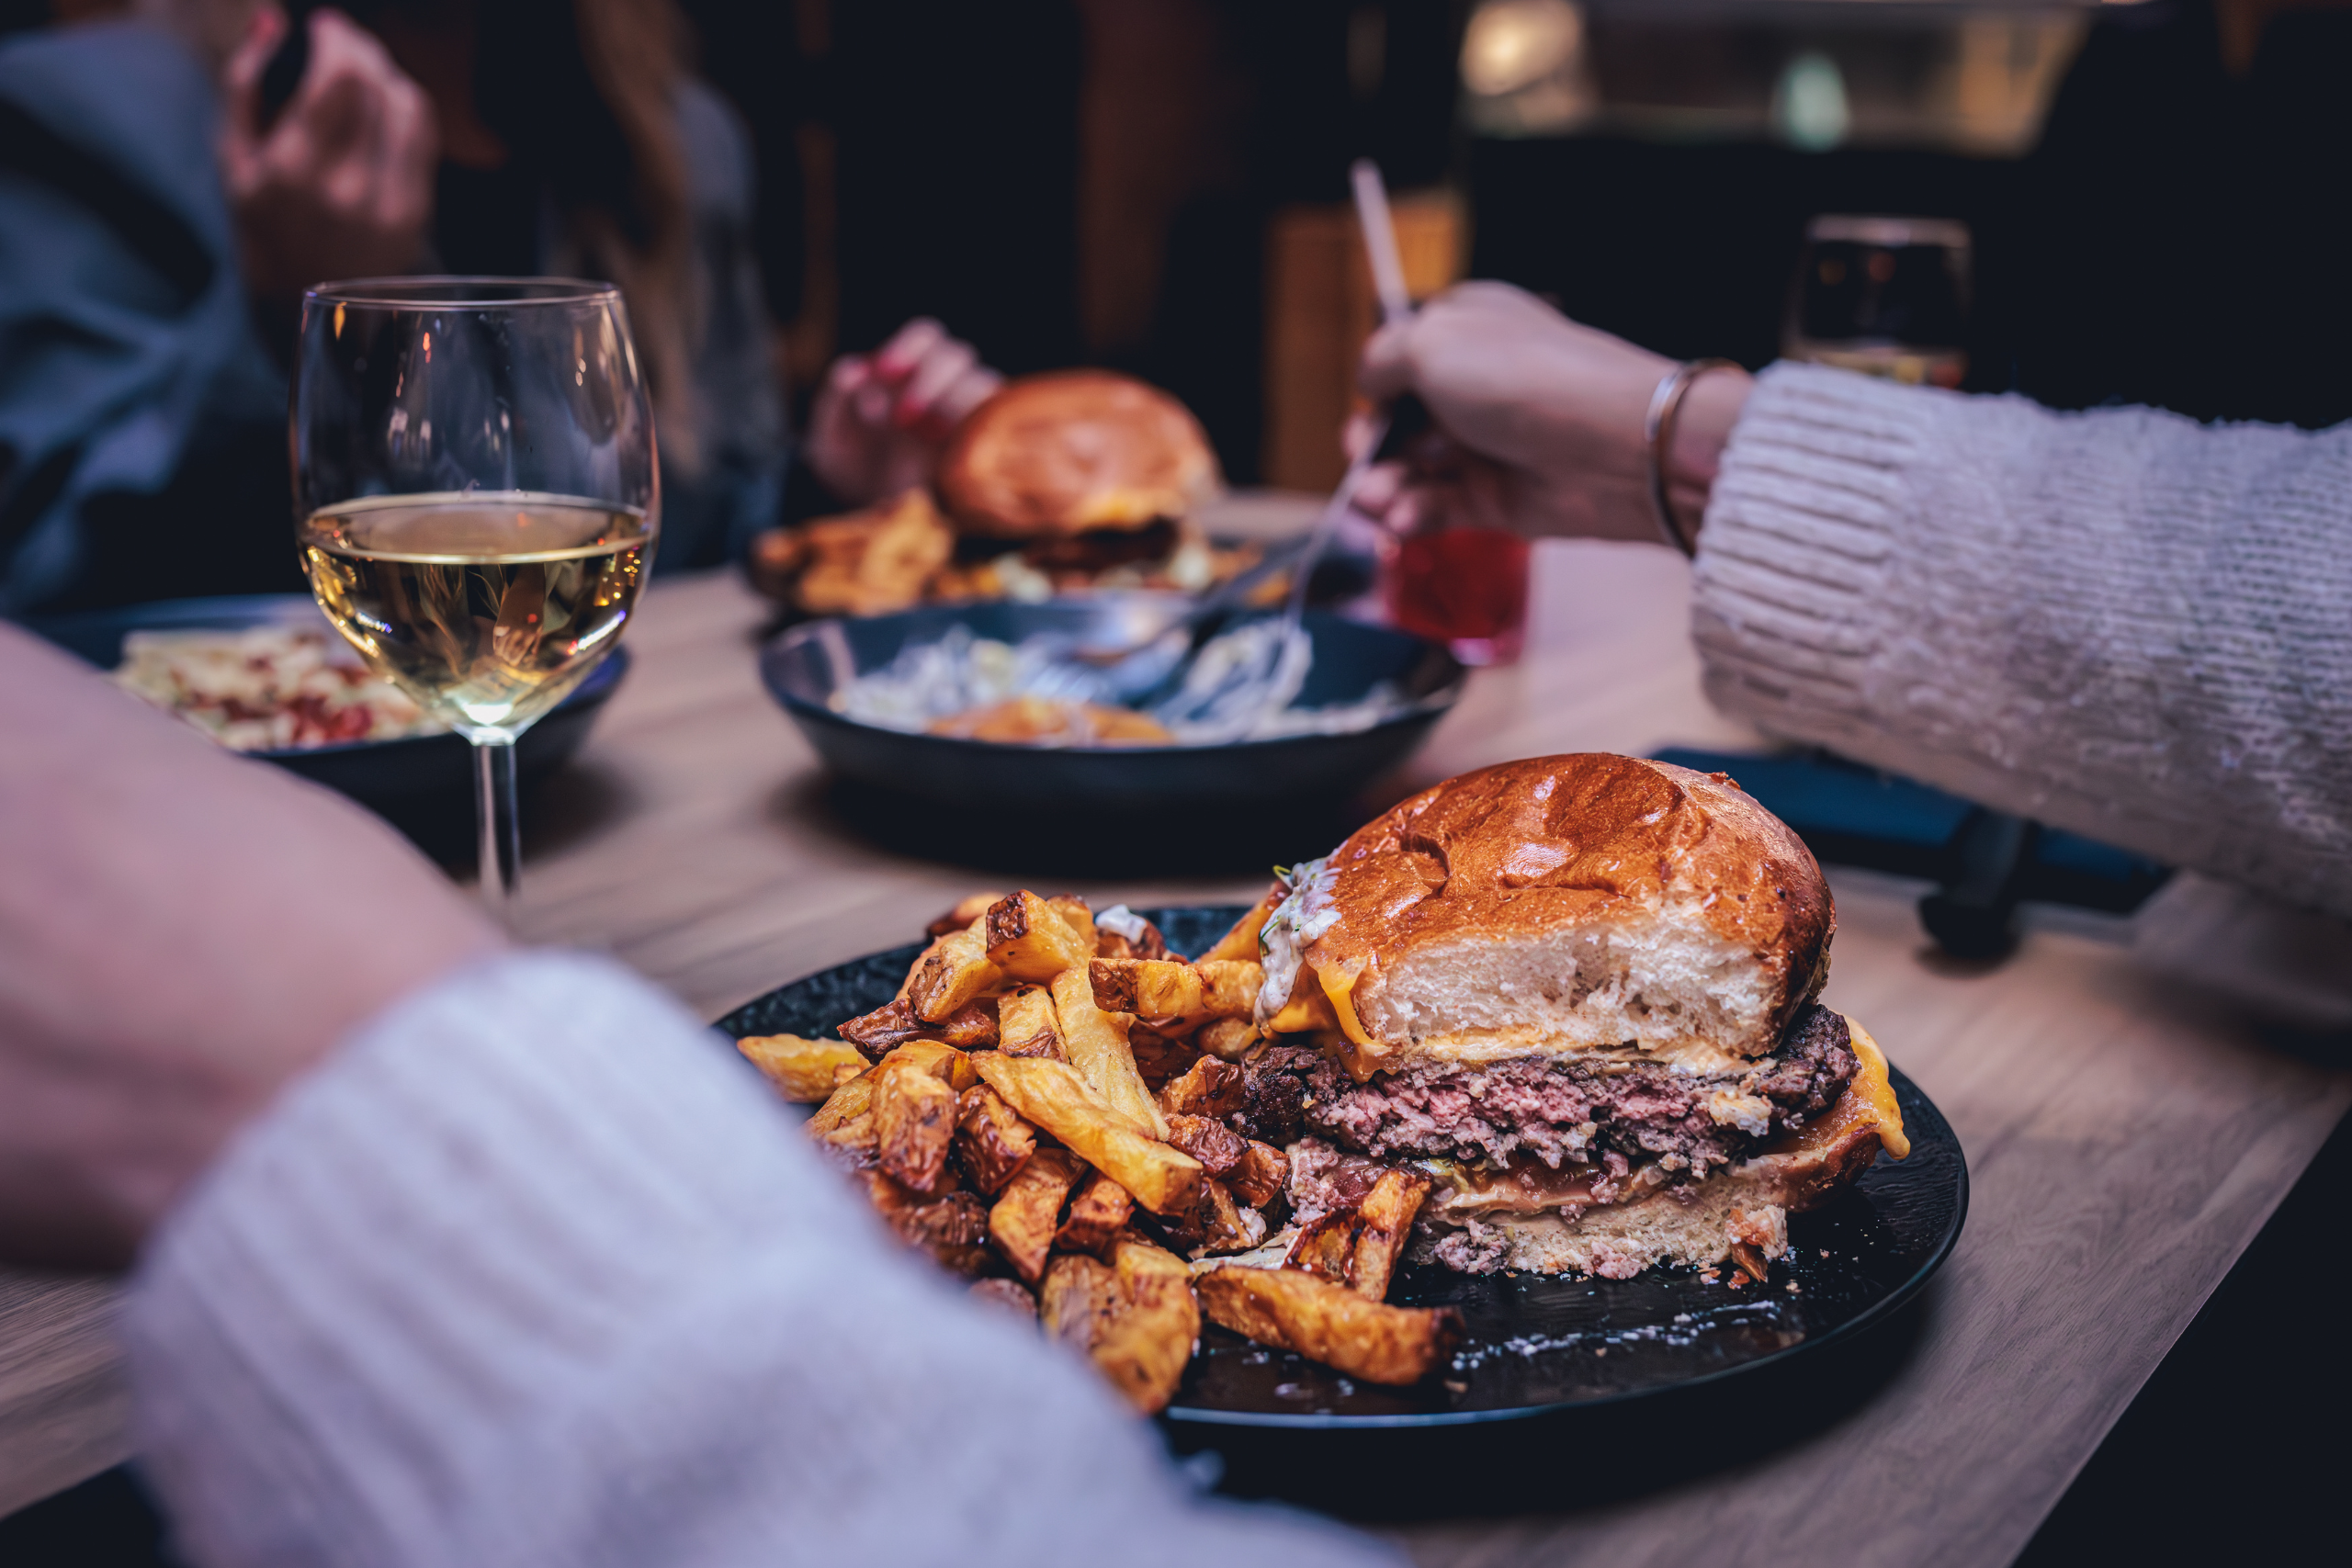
(1797, 547)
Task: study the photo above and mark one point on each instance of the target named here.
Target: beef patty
(1558, 1109)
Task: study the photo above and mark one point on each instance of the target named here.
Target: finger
(955, 405)
(335, 119)
(240, 78)
(850, 372)
(411, 150)
(1378, 488)
(314, 134)
(870, 406)
(1387, 370)
(947, 362)
(832, 409)
(896, 360)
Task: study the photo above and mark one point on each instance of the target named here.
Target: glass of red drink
(1462, 586)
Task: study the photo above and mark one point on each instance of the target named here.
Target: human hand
(340, 184)
(1539, 421)
(882, 419)
(182, 931)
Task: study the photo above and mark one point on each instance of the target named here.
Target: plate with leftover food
(1071, 482)
(968, 705)
(1520, 1101)
(268, 675)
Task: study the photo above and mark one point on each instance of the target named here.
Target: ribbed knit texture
(2117, 622)
(535, 1271)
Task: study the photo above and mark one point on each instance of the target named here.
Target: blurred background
(1158, 185)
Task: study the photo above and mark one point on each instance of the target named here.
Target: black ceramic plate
(804, 666)
(1538, 1345)
(423, 777)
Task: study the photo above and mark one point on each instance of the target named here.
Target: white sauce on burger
(1305, 914)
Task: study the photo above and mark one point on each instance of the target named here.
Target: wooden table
(2125, 1140)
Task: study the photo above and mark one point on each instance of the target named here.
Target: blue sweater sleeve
(126, 342)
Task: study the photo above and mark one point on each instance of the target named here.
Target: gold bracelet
(1658, 436)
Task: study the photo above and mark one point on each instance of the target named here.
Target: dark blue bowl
(419, 780)
(804, 666)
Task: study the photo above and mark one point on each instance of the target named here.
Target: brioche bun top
(1578, 903)
(1072, 451)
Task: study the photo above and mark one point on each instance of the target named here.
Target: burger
(1065, 481)
(1579, 993)
(1078, 470)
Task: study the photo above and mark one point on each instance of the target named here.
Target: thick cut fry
(1134, 936)
(1028, 939)
(1223, 1226)
(1207, 1087)
(1227, 1039)
(1075, 915)
(951, 972)
(876, 561)
(893, 1023)
(914, 1119)
(1077, 1300)
(1241, 942)
(969, 909)
(1215, 1223)
(1095, 1041)
(992, 1140)
(1327, 1248)
(1008, 1295)
(946, 1062)
(1264, 1173)
(1029, 1211)
(801, 1069)
(1229, 986)
(1135, 1317)
(851, 1143)
(1100, 1211)
(1148, 987)
(1161, 1053)
(1332, 1324)
(1148, 1343)
(1057, 1099)
(952, 1229)
(1218, 1147)
(1387, 1214)
(848, 1101)
(971, 1027)
(1026, 1025)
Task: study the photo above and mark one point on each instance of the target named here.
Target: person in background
(449, 1252)
(2117, 621)
(158, 223)
(2180, 243)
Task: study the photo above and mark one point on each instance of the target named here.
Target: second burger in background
(1061, 482)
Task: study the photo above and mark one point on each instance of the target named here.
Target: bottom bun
(1699, 1224)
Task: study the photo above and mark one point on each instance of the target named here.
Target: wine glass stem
(500, 854)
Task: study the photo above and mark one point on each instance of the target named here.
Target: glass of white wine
(477, 496)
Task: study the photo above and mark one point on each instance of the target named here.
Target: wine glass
(478, 500)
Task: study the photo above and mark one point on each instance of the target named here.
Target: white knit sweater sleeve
(534, 1271)
(2117, 622)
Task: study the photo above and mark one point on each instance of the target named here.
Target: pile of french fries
(1046, 1108)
